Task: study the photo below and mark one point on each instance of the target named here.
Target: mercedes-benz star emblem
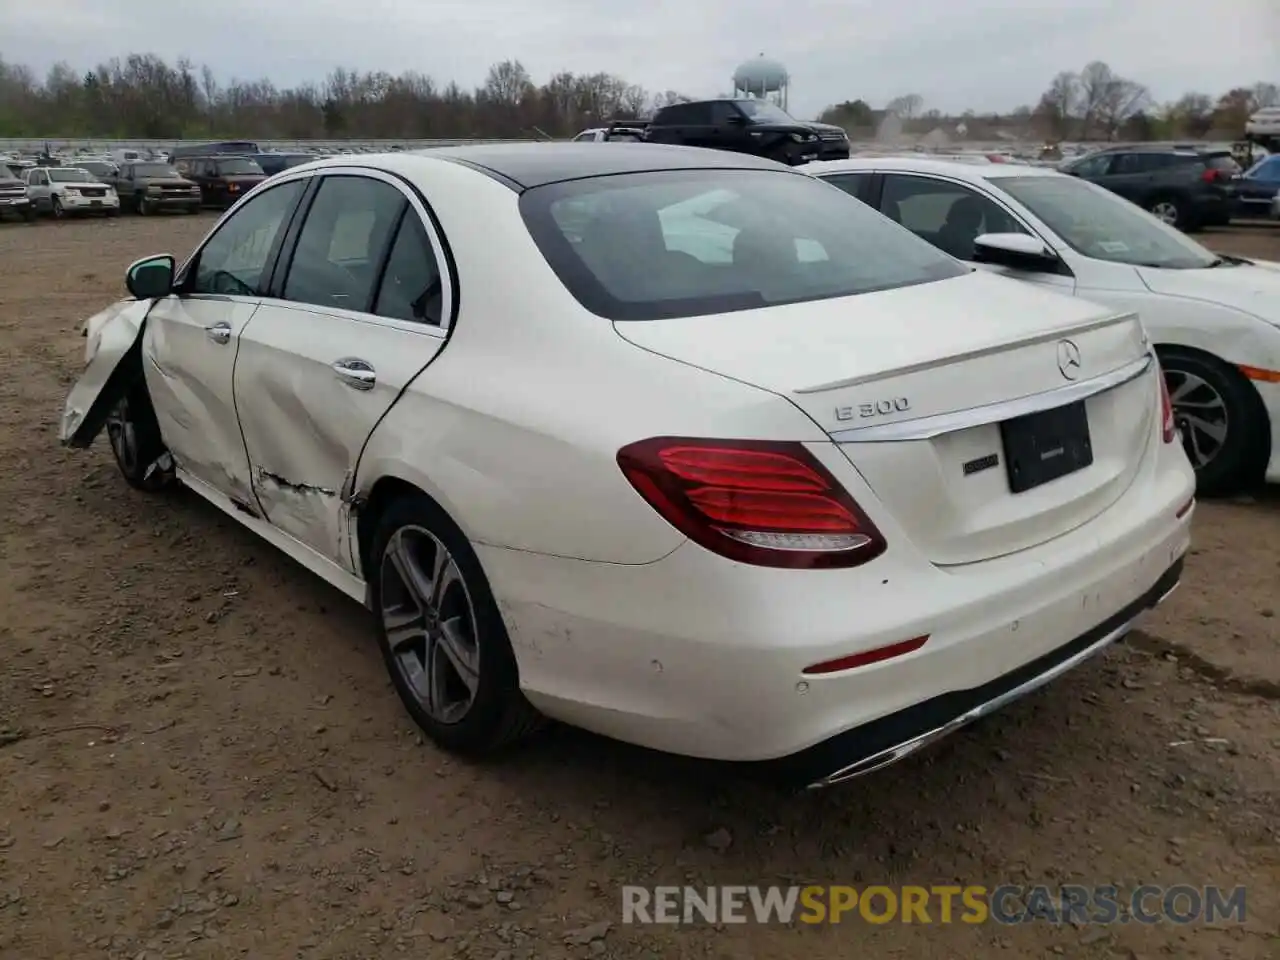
(1068, 359)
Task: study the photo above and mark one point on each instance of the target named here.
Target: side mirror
(735, 119)
(150, 277)
(1017, 251)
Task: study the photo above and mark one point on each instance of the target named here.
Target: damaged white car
(648, 440)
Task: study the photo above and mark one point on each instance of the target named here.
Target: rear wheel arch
(386, 490)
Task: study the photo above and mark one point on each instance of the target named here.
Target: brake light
(766, 503)
(1166, 411)
(1212, 176)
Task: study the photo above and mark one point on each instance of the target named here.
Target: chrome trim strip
(925, 428)
(895, 753)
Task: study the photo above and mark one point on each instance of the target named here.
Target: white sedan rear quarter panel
(518, 422)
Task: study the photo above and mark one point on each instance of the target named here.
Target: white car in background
(1215, 320)
(610, 135)
(815, 511)
(69, 191)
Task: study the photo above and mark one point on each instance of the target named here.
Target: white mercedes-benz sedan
(680, 446)
(1215, 319)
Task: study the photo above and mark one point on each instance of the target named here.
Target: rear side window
(855, 184)
(692, 242)
(412, 287)
(1134, 163)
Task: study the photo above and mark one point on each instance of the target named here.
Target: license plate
(95, 203)
(1041, 447)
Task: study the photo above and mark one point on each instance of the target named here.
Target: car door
(1257, 189)
(951, 215)
(696, 129)
(361, 305)
(191, 340)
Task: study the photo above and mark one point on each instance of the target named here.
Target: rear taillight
(1168, 426)
(766, 503)
(1214, 176)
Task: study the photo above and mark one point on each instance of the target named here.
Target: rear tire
(134, 434)
(1172, 211)
(441, 635)
(1221, 420)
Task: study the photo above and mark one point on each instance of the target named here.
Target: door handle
(219, 332)
(355, 373)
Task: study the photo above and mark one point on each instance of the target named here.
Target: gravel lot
(200, 755)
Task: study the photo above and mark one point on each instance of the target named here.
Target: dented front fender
(112, 361)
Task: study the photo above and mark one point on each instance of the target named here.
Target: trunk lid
(913, 384)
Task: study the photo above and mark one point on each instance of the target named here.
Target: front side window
(1133, 163)
(234, 262)
(342, 242)
(691, 242)
(763, 111)
(1101, 225)
(948, 215)
(1095, 166)
(854, 184)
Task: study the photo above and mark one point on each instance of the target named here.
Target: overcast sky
(957, 54)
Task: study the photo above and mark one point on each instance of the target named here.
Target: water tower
(763, 79)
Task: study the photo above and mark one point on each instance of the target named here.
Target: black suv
(1187, 187)
(758, 127)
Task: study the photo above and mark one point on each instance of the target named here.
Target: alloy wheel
(1200, 414)
(430, 624)
(123, 435)
(1167, 211)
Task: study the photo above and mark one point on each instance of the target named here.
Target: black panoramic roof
(527, 165)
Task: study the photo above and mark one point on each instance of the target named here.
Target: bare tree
(142, 95)
(1121, 100)
(907, 106)
(1192, 115)
(1060, 104)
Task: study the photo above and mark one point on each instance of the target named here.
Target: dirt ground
(201, 756)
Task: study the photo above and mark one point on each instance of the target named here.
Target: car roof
(955, 169)
(528, 165)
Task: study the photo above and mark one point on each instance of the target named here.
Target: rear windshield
(240, 165)
(1222, 161)
(690, 242)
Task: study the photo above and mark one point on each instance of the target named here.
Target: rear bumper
(895, 737)
(1214, 207)
(698, 656)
